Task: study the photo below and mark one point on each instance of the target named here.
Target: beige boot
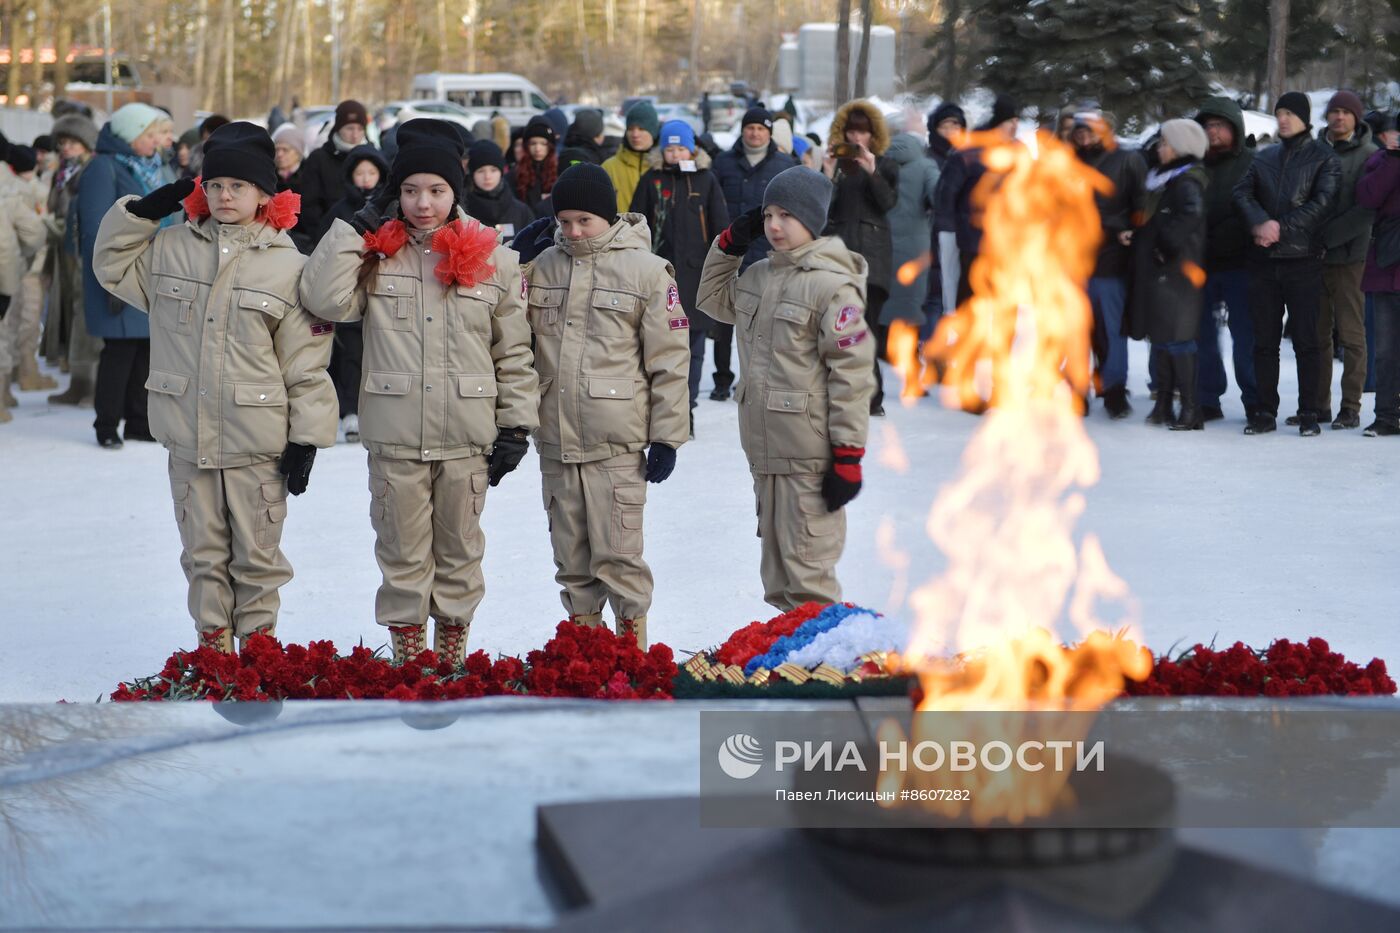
(637, 628)
(591, 619)
(30, 379)
(450, 642)
(409, 641)
(220, 639)
(7, 397)
(79, 388)
(5, 416)
(269, 630)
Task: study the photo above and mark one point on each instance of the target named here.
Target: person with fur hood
(684, 205)
(866, 189)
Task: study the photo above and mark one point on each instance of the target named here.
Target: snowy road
(1219, 536)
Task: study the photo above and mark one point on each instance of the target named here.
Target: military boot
(29, 377)
(636, 628)
(409, 641)
(450, 642)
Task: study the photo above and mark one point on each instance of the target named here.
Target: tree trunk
(63, 41)
(952, 77)
(442, 35)
(863, 58)
(843, 52)
(228, 57)
(308, 90)
(697, 20)
(286, 41)
(1278, 49)
(639, 47)
(12, 29)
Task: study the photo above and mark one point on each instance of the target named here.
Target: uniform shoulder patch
(680, 323)
(850, 340)
(847, 316)
(319, 327)
(673, 297)
(524, 286)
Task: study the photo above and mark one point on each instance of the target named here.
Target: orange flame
(1015, 572)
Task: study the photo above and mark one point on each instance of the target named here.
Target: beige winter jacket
(238, 367)
(444, 367)
(612, 346)
(806, 353)
(22, 232)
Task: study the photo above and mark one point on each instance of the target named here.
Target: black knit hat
(349, 111)
(21, 159)
(241, 150)
(585, 187)
(430, 146)
(44, 142)
(757, 115)
(539, 128)
(1296, 103)
(1004, 108)
(485, 153)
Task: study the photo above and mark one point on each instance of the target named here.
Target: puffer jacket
(1347, 230)
(238, 366)
(743, 185)
(611, 345)
(1227, 235)
(626, 170)
(445, 367)
(805, 352)
(911, 227)
(103, 182)
(22, 232)
(861, 201)
(685, 211)
(1294, 182)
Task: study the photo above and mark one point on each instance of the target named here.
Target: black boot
(1184, 374)
(1115, 402)
(1166, 386)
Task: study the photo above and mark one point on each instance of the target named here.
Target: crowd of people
(448, 294)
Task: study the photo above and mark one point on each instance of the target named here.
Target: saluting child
(612, 350)
(238, 388)
(449, 393)
(804, 400)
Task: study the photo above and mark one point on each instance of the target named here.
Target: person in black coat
(866, 188)
(743, 174)
(1168, 253)
(945, 125)
(1286, 195)
(535, 176)
(685, 208)
(490, 200)
(323, 173)
(366, 177)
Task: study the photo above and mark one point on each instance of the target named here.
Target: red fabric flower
(196, 204)
(387, 240)
(281, 212)
(466, 253)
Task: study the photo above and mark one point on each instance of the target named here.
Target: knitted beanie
(585, 187)
(241, 150)
(1186, 137)
(1296, 103)
(428, 146)
(803, 193)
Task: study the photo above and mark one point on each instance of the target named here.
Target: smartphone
(846, 151)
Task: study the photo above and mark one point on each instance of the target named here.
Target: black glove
(511, 444)
(163, 201)
(843, 479)
(744, 230)
(661, 460)
(296, 466)
(370, 217)
(4, 306)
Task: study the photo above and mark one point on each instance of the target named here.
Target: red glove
(842, 480)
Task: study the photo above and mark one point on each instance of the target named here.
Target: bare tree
(863, 58)
(1278, 49)
(843, 51)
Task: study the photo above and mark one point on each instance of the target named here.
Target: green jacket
(626, 170)
(1347, 232)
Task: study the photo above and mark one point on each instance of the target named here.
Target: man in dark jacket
(743, 174)
(1093, 140)
(865, 189)
(1286, 195)
(1345, 236)
(1227, 244)
(945, 124)
(585, 135)
(323, 172)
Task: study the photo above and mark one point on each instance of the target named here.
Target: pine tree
(1241, 38)
(1143, 62)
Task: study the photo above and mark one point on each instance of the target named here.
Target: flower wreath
(280, 212)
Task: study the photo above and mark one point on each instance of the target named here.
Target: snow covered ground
(1220, 536)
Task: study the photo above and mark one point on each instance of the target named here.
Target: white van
(514, 97)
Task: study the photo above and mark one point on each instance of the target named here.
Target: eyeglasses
(236, 189)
